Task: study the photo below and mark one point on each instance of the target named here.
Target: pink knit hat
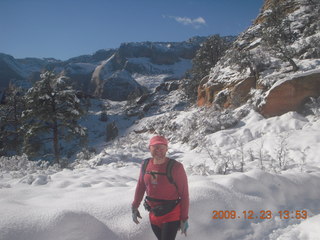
(158, 140)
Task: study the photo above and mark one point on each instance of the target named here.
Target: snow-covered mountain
(250, 177)
(111, 74)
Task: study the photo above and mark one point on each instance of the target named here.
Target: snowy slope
(237, 163)
(93, 200)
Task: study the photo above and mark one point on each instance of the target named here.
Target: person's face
(158, 151)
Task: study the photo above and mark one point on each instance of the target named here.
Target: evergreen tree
(52, 113)
(206, 57)
(10, 121)
(242, 58)
(277, 33)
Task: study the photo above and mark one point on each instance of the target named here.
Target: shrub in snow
(282, 153)
(20, 163)
(191, 127)
(29, 171)
(312, 106)
(86, 154)
(111, 131)
(35, 179)
(199, 169)
(85, 159)
(311, 48)
(80, 163)
(118, 164)
(242, 58)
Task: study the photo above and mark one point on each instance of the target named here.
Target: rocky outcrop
(121, 86)
(251, 63)
(80, 74)
(116, 85)
(225, 95)
(289, 8)
(284, 97)
(291, 94)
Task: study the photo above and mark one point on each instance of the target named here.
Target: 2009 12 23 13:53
(262, 214)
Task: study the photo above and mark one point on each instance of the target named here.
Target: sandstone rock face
(291, 94)
(240, 92)
(224, 95)
(251, 64)
(291, 6)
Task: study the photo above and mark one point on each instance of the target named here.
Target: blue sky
(68, 28)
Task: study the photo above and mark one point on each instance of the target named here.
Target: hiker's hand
(184, 226)
(135, 215)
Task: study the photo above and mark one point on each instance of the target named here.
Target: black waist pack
(165, 207)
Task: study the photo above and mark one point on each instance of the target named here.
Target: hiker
(167, 196)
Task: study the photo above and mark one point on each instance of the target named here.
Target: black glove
(135, 215)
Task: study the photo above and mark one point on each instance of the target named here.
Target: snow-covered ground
(250, 178)
(271, 165)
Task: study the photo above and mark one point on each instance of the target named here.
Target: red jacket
(161, 188)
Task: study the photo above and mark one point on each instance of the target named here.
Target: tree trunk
(293, 64)
(56, 143)
(56, 149)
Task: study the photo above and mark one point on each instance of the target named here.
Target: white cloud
(196, 22)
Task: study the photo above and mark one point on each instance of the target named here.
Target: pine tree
(277, 34)
(206, 57)
(52, 113)
(10, 122)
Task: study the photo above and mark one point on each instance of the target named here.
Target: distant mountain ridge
(106, 72)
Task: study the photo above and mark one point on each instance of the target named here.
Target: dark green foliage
(51, 115)
(206, 57)
(242, 58)
(277, 34)
(10, 122)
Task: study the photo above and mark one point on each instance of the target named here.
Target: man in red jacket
(165, 182)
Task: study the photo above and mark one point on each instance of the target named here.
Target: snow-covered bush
(192, 126)
(199, 169)
(86, 154)
(30, 172)
(21, 163)
(313, 107)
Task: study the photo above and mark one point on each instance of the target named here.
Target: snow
(256, 166)
(95, 204)
(160, 72)
(150, 81)
(93, 200)
(305, 66)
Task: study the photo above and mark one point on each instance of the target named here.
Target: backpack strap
(170, 164)
(169, 170)
(144, 166)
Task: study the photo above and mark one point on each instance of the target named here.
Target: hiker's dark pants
(168, 231)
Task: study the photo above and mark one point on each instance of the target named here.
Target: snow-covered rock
(250, 59)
